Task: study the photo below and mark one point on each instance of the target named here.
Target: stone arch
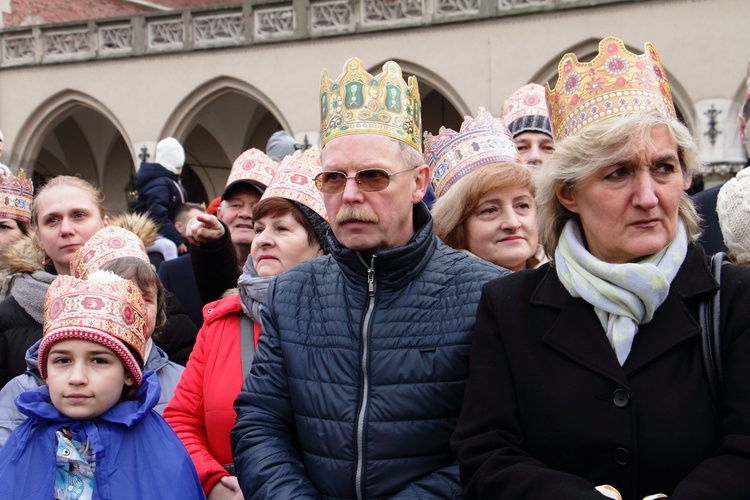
(587, 49)
(72, 133)
(217, 122)
(441, 103)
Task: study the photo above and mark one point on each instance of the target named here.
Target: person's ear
(128, 379)
(421, 181)
(566, 196)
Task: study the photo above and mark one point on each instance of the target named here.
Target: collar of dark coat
(394, 267)
(578, 334)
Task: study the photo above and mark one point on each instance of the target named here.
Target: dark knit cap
(530, 123)
(319, 225)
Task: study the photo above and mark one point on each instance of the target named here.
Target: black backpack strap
(709, 316)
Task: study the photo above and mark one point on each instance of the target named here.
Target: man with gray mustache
(359, 376)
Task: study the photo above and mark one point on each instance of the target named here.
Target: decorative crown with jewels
(295, 180)
(481, 141)
(615, 82)
(359, 103)
(16, 192)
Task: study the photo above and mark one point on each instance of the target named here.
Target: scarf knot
(624, 296)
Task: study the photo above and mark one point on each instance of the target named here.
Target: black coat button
(622, 456)
(621, 398)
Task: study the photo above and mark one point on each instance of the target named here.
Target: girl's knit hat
(104, 309)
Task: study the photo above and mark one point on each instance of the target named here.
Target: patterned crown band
(526, 111)
(109, 313)
(747, 83)
(16, 193)
(481, 141)
(615, 82)
(295, 180)
(359, 103)
(254, 167)
(105, 245)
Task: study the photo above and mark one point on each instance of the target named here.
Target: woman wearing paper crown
(485, 203)
(586, 375)
(290, 227)
(15, 214)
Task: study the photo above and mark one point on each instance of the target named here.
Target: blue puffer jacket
(159, 193)
(355, 393)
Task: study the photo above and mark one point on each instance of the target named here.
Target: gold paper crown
(16, 193)
(107, 244)
(482, 141)
(254, 167)
(295, 180)
(615, 82)
(359, 103)
(110, 313)
(526, 110)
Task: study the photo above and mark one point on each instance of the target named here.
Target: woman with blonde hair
(589, 377)
(485, 203)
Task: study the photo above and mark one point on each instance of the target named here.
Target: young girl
(121, 252)
(91, 431)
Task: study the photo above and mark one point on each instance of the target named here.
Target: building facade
(92, 97)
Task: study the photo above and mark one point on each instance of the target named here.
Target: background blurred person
(16, 193)
(588, 375)
(525, 113)
(733, 208)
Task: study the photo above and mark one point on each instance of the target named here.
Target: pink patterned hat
(481, 141)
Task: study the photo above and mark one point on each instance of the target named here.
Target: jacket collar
(578, 334)
(394, 267)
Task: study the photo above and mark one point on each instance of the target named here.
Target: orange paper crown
(615, 82)
(295, 180)
(359, 103)
(105, 309)
(107, 244)
(16, 193)
(253, 167)
(482, 141)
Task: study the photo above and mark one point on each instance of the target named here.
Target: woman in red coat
(290, 227)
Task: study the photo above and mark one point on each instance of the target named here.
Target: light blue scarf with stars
(624, 296)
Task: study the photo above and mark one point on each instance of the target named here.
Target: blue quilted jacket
(360, 374)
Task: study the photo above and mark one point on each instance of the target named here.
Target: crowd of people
(517, 309)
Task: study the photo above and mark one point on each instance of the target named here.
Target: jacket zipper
(365, 377)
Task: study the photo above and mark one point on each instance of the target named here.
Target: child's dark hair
(143, 275)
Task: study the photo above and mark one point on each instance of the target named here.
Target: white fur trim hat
(733, 209)
(170, 155)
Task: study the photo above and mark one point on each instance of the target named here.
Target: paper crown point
(109, 312)
(481, 141)
(16, 193)
(359, 103)
(252, 167)
(105, 245)
(526, 111)
(615, 82)
(295, 180)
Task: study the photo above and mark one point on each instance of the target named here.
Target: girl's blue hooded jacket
(137, 453)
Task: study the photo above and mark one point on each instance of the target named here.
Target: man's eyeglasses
(370, 179)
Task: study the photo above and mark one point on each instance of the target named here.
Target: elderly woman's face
(280, 243)
(630, 210)
(502, 229)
